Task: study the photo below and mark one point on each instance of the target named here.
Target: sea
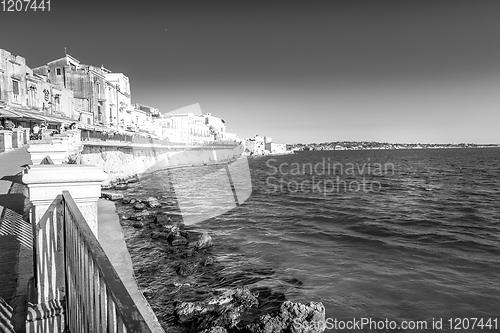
(387, 240)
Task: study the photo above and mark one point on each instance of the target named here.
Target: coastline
(189, 294)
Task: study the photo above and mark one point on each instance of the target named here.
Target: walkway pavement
(16, 256)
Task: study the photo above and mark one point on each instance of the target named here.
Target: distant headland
(360, 145)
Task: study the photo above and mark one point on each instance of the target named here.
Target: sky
(299, 72)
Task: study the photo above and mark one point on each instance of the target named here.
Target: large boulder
(223, 311)
(205, 241)
(293, 318)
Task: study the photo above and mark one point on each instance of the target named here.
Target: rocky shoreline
(195, 295)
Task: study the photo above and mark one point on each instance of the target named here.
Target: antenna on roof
(66, 53)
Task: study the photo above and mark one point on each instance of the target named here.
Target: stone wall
(125, 162)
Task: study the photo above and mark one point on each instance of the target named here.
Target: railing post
(45, 185)
(5, 140)
(17, 138)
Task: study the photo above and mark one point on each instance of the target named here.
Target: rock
(186, 254)
(216, 329)
(204, 242)
(106, 186)
(184, 234)
(208, 261)
(159, 235)
(186, 269)
(153, 202)
(294, 281)
(121, 187)
(163, 219)
(112, 196)
(133, 179)
(224, 311)
(179, 241)
(139, 206)
(137, 225)
(292, 317)
(125, 201)
(172, 228)
(133, 201)
(125, 217)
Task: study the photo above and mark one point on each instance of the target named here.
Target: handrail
(96, 298)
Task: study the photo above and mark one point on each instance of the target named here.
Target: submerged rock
(208, 261)
(292, 317)
(186, 269)
(204, 242)
(178, 241)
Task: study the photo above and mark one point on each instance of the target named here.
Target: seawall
(122, 161)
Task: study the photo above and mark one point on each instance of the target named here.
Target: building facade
(31, 96)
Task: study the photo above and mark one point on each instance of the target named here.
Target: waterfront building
(275, 148)
(118, 102)
(12, 79)
(100, 97)
(140, 118)
(188, 125)
(28, 97)
(255, 145)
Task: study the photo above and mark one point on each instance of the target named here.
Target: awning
(9, 114)
(31, 115)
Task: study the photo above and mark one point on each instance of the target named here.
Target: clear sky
(396, 71)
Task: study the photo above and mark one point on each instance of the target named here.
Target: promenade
(16, 256)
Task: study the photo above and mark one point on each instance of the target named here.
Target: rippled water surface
(421, 241)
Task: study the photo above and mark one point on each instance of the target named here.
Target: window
(99, 112)
(57, 102)
(98, 89)
(88, 121)
(15, 90)
(58, 71)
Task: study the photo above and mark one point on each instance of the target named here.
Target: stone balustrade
(58, 147)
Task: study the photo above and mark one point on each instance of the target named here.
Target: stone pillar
(5, 141)
(17, 138)
(46, 184)
(57, 152)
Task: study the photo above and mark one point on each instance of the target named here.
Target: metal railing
(116, 137)
(96, 298)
